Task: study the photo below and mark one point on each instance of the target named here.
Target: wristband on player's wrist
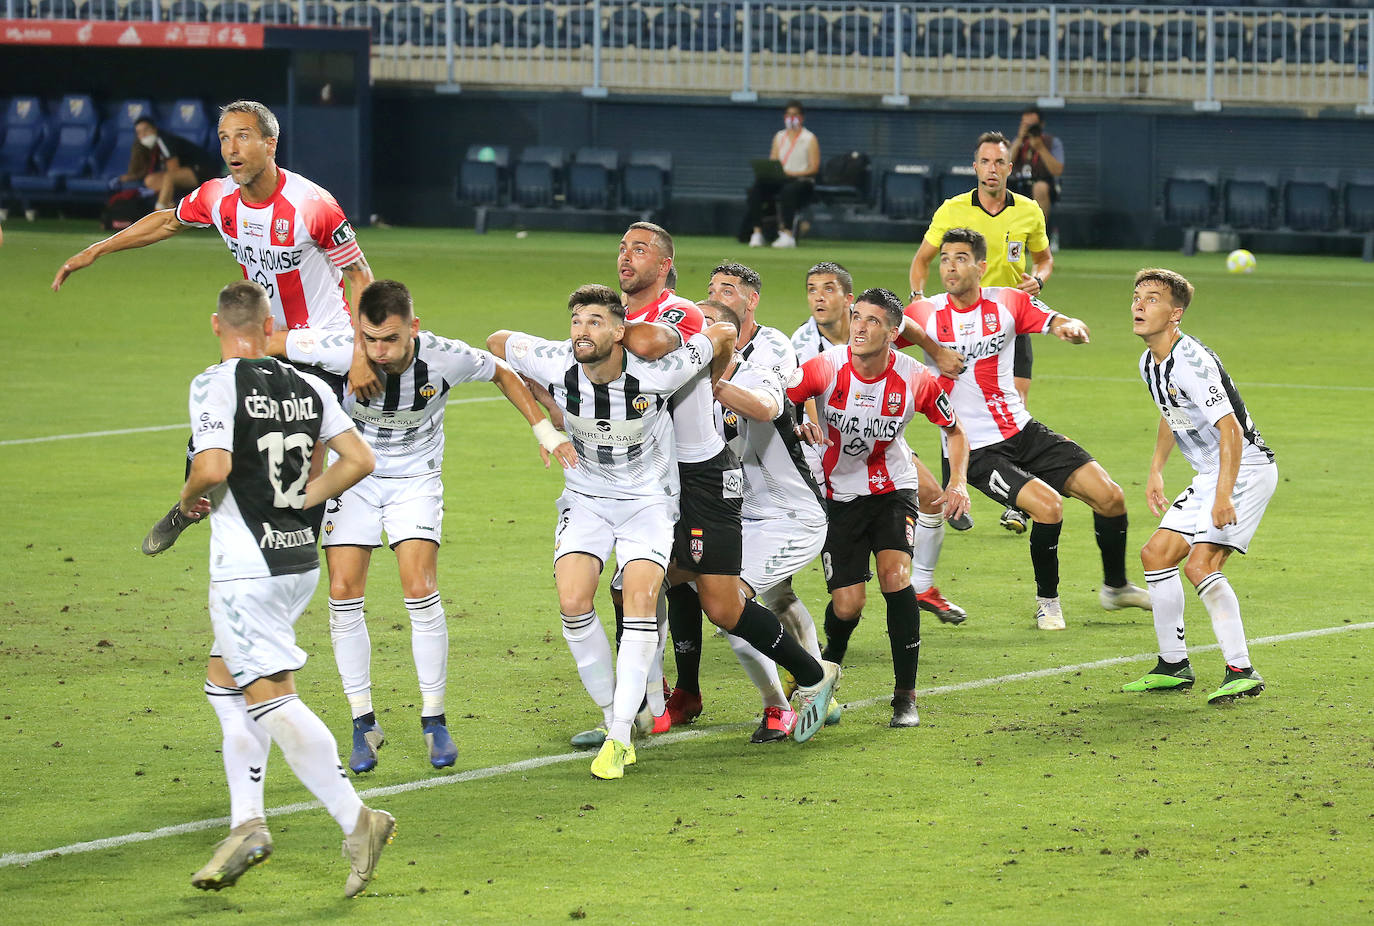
(548, 436)
(917, 294)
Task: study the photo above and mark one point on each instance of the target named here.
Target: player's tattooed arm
(363, 380)
(152, 228)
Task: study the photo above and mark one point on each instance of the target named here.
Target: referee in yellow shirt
(1014, 227)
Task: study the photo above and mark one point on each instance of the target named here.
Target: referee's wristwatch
(1039, 282)
(917, 294)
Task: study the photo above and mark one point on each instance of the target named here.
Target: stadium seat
(1190, 197)
(1274, 41)
(320, 14)
(591, 176)
(990, 38)
(808, 31)
(484, 175)
(538, 175)
(1083, 38)
(24, 130)
(108, 160)
(646, 180)
(76, 122)
(188, 119)
(106, 10)
(852, 34)
(942, 35)
(1228, 35)
(1177, 39)
(1357, 46)
(718, 27)
(890, 24)
(493, 25)
(1357, 202)
(905, 188)
(1032, 39)
(231, 11)
(1309, 200)
(137, 11)
(765, 32)
(364, 16)
(55, 9)
(844, 178)
(406, 24)
(1130, 40)
(579, 25)
(1248, 198)
(537, 25)
(1321, 42)
(957, 180)
(276, 13)
(187, 11)
(673, 28)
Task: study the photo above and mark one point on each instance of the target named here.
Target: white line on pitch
(113, 842)
(184, 426)
(1136, 379)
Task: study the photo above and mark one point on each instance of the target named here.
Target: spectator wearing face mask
(167, 164)
(797, 150)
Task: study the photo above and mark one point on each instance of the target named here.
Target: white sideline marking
(184, 426)
(113, 842)
(1248, 383)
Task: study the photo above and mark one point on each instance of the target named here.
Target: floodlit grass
(1049, 799)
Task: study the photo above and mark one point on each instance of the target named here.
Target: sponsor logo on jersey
(640, 403)
(428, 390)
(343, 233)
(671, 316)
(253, 228)
(518, 347)
(732, 483)
(878, 481)
(273, 539)
(305, 342)
(228, 222)
(946, 407)
(795, 379)
(864, 400)
(281, 230)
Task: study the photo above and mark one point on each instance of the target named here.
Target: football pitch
(1034, 788)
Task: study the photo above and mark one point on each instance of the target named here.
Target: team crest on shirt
(894, 404)
(428, 390)
(697, 544)
(281, 230)
(991, 323)
(640, 403)
(731, 420)
(329, 527)
(910, 531)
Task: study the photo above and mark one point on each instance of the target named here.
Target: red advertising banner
(130, 34)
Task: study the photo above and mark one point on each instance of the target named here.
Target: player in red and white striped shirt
(1014, 459)
(866, 393)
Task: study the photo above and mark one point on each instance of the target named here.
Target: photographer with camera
(1037, 161)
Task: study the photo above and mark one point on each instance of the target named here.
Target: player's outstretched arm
(551, 442)
(955, 500)
(354, 463)
(650, 340)
(1069, 329)
(152, 228)
(1154, 484)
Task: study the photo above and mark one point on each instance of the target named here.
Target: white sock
(352, 652)
(592, 653)
(653, 686)
(1224, 608)
(637, 644)
(429, 647)
(1166, 600)
(925, 552)
(762, 671)
(245, 748)
(793, 615)
(312, 753)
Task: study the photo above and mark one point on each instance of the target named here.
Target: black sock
(1111, 541)
(1044, 551)
(904, 633)
(684, 623)
(837, 633)
(433, 718)
(618, 603)
(369, 718)
(760, 628)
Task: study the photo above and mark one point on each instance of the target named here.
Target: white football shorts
(255, 623)
(406, 507)
(633, 528)
(778, 548)
(1191, 513)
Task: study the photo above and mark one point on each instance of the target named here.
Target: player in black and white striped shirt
(404, 498)
(1200, 410)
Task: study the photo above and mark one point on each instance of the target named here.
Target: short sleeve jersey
(807, 341)
(777, 477)
(769, 347)
(865, 420)
(405, 424)
(985, 397)
(1193, 392)
(697, 440)
(622, 430)
(1012, 234)
(268, 415)
(295, 245)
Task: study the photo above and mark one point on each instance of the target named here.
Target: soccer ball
(1240, 261)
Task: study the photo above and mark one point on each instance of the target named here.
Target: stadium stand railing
(1302, 53)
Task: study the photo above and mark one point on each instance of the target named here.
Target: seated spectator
(797, 150)
(167, 164)
(1037, 161)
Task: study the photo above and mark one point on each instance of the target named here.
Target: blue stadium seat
(1274, 41)
(536, 26)
(1190, 197)
(320, 14)
(1309, 200)
(943, 35)
(1177, 39)
(905, 191)
(75, 123)
(406, 24)
(493, 25)
(538, 175)
(137, 11)
(24, 130)
(1130, 40)
(364, 16)
(579, 27)
(484, 175)
(1357, 202)
(231, 11)
(1249, 197)
(55, 9)
(1320, 42)
(187, 11)
(646, 180)
(1231, 42)
(717, 28)
(957, 180)
(765, 32)
(189, 119)
(890, 24)
(276, 13)
(674, 28)
(1357, 46)
(106, 10)
(591, 176)
(1032, 39)
(990, 38)
(852, 34)
(808, 31)
(627, 26)
(1083, 38)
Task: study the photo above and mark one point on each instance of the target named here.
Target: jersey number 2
(277, 445)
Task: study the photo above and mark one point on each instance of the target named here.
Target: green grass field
(1034, 789)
